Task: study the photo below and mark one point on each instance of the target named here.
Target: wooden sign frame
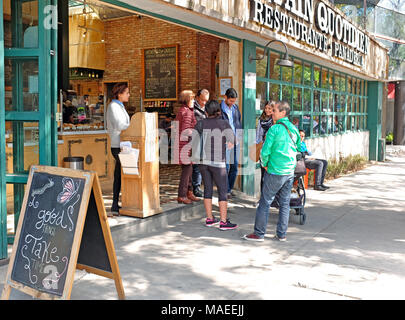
(143, 74)
(91, 187)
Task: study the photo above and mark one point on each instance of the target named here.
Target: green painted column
(248, 118)
(374, 106)
(3, 204)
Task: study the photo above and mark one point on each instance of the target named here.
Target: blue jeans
(196, 177)
(273, 184)
(232, 160)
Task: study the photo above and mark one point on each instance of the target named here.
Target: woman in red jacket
(185, 123)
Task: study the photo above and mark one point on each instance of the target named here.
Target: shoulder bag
(300, 168)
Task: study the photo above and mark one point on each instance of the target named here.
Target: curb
(172, 213)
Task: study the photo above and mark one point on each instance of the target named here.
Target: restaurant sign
(318, 26)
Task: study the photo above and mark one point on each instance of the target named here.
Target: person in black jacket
(200, 100)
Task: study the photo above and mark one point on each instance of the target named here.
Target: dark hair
(271, 103)
(302, 130)
(231, 93)
(213, 108)
(118, 89)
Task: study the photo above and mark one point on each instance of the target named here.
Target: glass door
(29, 102)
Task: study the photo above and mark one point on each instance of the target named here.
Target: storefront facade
(335, 86)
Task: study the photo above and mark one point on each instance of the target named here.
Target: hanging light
(285, 62)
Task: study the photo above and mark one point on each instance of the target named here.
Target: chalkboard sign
(160, 73)
(62, 215)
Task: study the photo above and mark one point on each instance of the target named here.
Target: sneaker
(253, 237)
(227, 225)
(276, 237)
(211, 222)
(198, 192)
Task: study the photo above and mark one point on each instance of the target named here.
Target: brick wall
(125, 38)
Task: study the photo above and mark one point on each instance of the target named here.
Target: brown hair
(272, 104)
(186, 96)
(118, 89)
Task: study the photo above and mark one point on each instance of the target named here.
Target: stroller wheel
(303, 217)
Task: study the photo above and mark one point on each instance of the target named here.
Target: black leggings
(117, 176)
(219, 176)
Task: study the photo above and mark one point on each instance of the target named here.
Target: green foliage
(389, 137)
(345, 165)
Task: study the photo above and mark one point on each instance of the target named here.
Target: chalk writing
(48, 231)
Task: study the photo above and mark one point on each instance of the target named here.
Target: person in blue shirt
(319, 165)
(231, 113)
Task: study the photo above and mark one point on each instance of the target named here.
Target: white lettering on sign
(297, 19)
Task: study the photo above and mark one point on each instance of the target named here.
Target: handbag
(254, 151)
(300, 168)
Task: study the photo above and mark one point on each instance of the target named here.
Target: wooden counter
(93, 146)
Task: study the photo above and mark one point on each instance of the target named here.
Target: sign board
(160, 73)
(62, 227)
(315, 24)
(224, 84)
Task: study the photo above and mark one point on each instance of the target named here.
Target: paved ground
(351, 247)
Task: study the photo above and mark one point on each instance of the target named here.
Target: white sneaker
(276, 237)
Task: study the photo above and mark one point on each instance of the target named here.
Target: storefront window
(305, 124)
(286, 74)
(286, 93)
(317, 101)
(325, 78)
(261, 65)
(22, 96)
(20, 24)
(317, 75)
(261, 92)
(349, 103)
(342, 83)
(342, 103)
(297, 71)
(307, 74)
(307, 99)
(274, 68)
(274, 93)
(297, 97)
(26, 151)
(323, 101)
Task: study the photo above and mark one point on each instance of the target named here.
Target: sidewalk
(351, 247)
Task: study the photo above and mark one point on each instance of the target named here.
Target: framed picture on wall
(224, 84)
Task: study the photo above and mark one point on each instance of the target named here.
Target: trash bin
(74, 162)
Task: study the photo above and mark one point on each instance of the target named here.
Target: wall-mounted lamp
(188, 54)
(284, 62)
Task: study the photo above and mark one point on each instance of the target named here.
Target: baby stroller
(297, 199)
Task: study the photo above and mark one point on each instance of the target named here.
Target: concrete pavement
(351, 247)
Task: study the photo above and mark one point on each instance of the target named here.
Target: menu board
(63, 226)
(160, 73)
(47, 233)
